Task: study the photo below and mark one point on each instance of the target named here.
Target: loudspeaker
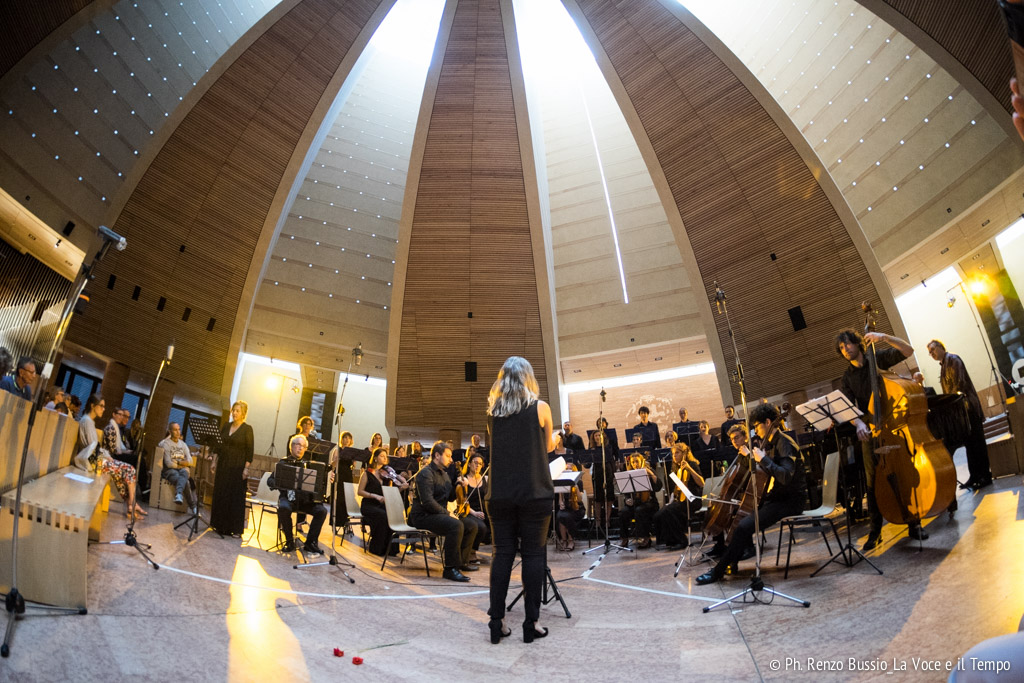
(68, 229)
(470, 371)
(796, 316)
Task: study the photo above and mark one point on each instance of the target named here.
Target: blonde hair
(243, 406)
(514, 390)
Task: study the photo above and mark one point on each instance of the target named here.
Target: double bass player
(856, 385)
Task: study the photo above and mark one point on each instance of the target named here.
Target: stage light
(272, 383)
(979, 286)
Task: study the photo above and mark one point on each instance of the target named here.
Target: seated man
(177, 460)
(299, 501)
(20, 382)
(780, 458)
(433, 492)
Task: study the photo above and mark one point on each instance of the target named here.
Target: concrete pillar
(115, 381)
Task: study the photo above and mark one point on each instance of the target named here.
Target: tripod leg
(805, 603)
(557, 594)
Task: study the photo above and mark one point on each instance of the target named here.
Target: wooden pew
(59, 514)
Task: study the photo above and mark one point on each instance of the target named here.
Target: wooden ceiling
(467, 283)
(755, 215)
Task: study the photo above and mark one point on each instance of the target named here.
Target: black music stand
(632, 482)
(564, 479)
(820, 414)
(687, 431)
(333, 559)
(206, 432)
(319, 450)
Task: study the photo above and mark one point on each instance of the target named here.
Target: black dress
(376, 516)
(227, 514)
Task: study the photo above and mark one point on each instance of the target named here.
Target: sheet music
(682, 487)
(820, 412)
(557, 467)
(78, 477)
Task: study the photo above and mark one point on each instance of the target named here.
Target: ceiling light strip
(607, 198)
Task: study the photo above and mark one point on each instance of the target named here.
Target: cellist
(856, 385)
(780, 457)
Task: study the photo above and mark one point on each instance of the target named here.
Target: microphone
(106, 233)
(170, 352)
(357, 354)
(603, 394)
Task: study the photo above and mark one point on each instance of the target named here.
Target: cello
(738, 486)
(914, 474)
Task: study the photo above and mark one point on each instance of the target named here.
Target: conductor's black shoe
(288, 548)
(969, 484)
(469, 568)
(917, 533)
(708, 577)
(453, 574)
(982, 484)
(312, 550)
(874, 539)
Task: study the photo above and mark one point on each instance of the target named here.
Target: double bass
(914, 475)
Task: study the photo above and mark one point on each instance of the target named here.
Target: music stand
(333, 559)
(686, 431)
(319, 450)
(206, 432)
(560, 478)
(690, 497)
(820, 414)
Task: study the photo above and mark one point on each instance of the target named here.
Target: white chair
(355, 515)
(265, 497)
(817, 517)
(400, 527)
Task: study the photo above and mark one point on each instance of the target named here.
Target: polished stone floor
(222, 609)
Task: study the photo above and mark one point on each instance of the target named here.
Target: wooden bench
(59, 515)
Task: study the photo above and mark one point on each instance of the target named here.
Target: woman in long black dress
(227, 514)
(371, 488)
(519, 491)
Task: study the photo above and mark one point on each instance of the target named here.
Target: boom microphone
(106, 233)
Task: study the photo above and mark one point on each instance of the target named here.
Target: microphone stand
(14, 601)
(130, 539)
(757, 585)
(608, 545)
(333, 559)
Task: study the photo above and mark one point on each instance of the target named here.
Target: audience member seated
(20, 383)
(432, 492)
(114, 443)
(177, 460)
(122, 474)
(59, 397)
(293, 501)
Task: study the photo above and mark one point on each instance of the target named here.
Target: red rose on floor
(339, 653)
(357, 660)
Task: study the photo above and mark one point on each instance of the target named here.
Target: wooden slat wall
(470, 248)
(210, 190)
(972, 31)
(743, 193)
(24, 24)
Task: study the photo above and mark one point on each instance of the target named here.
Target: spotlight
(271, 383)
(950, 302)
(295, 388)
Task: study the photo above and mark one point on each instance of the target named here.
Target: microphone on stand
(106, 233)
(719, 297)
(603, 394)
(357, 354)
(170, 352)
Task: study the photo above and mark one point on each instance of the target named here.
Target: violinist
(671, 522)
(469, 497)
(571, 512)
(642, 505)
(371, 489)
(856, 385)
(780, 458)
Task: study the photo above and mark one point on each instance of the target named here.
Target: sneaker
(178, 499)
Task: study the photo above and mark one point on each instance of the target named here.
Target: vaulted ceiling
(256, 154)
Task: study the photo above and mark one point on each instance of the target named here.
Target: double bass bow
(914, 474)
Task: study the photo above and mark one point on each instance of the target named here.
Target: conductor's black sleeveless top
(519, 459)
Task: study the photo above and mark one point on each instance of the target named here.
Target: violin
(914, 475)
